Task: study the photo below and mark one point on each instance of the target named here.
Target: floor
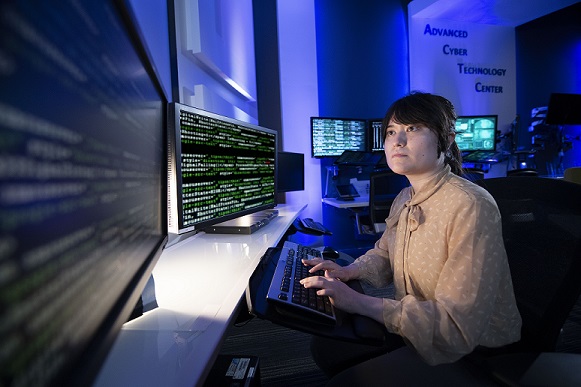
(285, 358)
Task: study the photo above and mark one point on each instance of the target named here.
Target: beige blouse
(444, 252)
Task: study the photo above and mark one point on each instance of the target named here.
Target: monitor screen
(564, 109)
(82, 199)
(290, 172)
(333, 136)
(219, 168)
(476, 133)
(375, 135)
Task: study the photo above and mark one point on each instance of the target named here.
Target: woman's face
(412, 150)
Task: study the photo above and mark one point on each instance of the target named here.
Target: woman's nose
(399, 139)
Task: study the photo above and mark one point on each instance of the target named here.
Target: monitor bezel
(365, 136)
(175, 200)
(84, 370)
(482, 116)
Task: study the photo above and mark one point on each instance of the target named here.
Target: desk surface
(198, 284)
(361, 201)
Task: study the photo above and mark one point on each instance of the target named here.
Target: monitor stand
(246, 224)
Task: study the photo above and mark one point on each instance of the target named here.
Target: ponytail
(453, 158)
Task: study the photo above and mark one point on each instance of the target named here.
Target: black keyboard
(289, 295)
(483, 156)
(358, 158)
(313, 225)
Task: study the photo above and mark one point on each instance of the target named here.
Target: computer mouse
(330, 253)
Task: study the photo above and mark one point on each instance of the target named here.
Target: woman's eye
(389, 133)
(412, 128)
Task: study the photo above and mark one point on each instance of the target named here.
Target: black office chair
(541, 220)
(572, 174)
(383, 188)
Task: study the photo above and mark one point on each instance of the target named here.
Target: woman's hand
(339, 293)
(333, 283)
(333, 270)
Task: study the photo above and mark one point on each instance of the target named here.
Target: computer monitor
(564, 109)
(290, 172)
(82, 198)
(476, 133)
(375, 135)
(219, 168)
(333, 136)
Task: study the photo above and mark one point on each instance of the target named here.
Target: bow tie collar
(407, 219)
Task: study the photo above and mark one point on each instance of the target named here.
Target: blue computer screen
(82, 192)
(376, 135)
(476, 133)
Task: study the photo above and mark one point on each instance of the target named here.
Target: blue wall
(362, 67)
(362, 56)
(548, 53)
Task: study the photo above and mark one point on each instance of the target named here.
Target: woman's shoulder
(469, 191)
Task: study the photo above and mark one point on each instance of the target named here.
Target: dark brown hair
(434, 112)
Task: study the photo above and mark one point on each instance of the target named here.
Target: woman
(442, 249)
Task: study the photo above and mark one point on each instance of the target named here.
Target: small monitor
(346, 192)
(330, 137)
(375, 135)
(564, 109)
(219, 168)
(290, 172)
(476, 133)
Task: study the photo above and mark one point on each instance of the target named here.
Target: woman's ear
(451, 138)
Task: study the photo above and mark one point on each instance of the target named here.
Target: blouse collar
(414, 199)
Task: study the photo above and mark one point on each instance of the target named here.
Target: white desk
(361, 201)
(198, 283)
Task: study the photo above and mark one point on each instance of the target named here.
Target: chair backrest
(573, 174)
(383, 188)
(473, 174)
(541, 221)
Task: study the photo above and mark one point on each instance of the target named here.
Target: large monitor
(219, 168)
(564, 109)
(375, 135)
(476, 133)
(82, 193)
(333, 136)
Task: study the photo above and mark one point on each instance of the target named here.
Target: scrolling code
(225, 167)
